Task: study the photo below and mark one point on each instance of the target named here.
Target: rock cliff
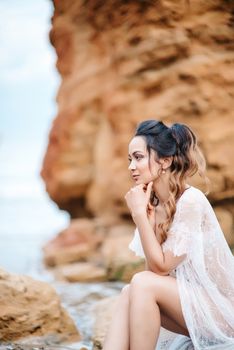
(124, 61)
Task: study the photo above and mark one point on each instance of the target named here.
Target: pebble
(36, 347)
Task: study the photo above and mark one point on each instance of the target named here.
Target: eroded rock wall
(124, 61)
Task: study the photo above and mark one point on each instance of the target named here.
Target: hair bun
(183, 137)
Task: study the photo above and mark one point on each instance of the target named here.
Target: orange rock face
(122, 62)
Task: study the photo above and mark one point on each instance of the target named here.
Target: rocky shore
(32, 315)
(86, 284)
(92, 251)
(31, 308)
(34, 347)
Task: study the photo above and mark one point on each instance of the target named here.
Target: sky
(28, 86)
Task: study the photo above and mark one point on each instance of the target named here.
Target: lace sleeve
(186, 226)
(136, 246)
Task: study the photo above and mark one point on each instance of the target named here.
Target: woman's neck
(161, 189)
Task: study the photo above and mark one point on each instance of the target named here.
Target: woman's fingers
(151, 207)
(149, 188)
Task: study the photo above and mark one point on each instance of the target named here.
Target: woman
(188, 285)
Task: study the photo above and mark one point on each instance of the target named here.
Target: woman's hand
(137, 199)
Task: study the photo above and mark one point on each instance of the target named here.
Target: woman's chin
(138, 181)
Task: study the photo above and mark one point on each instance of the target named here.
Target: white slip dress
(205, 278)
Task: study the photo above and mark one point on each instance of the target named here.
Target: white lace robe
(205, 278)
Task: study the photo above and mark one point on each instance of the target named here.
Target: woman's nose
(132, 166)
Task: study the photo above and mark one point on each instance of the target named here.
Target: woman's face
(139, 162)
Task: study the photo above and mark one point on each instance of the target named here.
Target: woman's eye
(138, 157)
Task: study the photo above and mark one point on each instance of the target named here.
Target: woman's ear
(167, 161)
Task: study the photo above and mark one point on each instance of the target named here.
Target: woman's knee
(125, 290)
(146, 280)
(124, 294)
(140, 278)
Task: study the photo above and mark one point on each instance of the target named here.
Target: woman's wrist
(139, 215)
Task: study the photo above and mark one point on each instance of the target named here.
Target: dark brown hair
(180, 142)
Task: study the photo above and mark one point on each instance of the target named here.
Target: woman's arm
(156, 261)
(147, 266)
(161, 263)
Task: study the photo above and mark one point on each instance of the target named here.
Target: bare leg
(150, 295)
(169, 324)
(118, 333)
(117, 337)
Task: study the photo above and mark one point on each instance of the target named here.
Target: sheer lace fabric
(205, 278)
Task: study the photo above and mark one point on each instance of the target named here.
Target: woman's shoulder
(192, 195)
(191, 205)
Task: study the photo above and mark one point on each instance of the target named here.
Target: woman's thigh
(169, 324)
(164, 290)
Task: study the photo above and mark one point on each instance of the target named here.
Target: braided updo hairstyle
(179, 142)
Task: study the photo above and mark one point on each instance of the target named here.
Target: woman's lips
(135, 177)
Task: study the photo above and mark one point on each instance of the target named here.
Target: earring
(163, 171)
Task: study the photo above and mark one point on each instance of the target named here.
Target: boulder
(225, 219)
(76, 243)
(31, 308)
(103, 310)
(81, 272)
(120, 262)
